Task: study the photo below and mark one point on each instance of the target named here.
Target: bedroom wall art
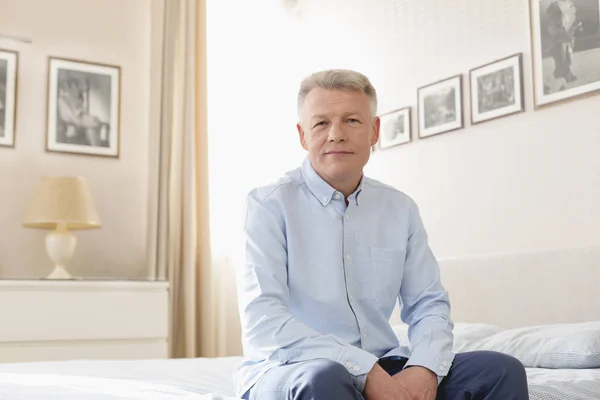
(9, 61)
(395, 128)
(565, 49)
(497, 89)
(83, 115)
(440, 107)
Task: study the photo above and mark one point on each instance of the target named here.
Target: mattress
(205, 379)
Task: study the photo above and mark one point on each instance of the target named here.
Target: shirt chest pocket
(387, 267)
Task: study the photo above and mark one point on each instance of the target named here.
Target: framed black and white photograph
(83, 107)
(395, 128)
(440, 107)
(9, 61)
(497, 89)
(566, 49)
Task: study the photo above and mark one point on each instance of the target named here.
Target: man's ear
(301, 136)
(376, 126)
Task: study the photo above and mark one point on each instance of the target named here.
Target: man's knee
(324, 377)
(507, 375)
(314, 379)
(510, 367)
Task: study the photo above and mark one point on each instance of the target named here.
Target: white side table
(46, 320)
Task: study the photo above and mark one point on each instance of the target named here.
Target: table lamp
(62, 204)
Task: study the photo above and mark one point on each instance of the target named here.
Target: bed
(542, 307)
(547, 302)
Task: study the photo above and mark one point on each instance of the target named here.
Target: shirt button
(337, 196)
(356, 368)
(349, 364)
(364, 335)
(325, 198)
(347, 256)
(347, 217)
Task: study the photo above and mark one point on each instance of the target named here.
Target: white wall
(107, 31)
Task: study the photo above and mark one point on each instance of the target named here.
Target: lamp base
(60, 245)
(59, 273)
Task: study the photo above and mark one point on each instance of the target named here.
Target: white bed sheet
(205, 379)
(193, 379)
(563, 384)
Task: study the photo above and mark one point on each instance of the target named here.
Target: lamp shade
(62, 200)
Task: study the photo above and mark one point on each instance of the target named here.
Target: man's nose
(336, 133)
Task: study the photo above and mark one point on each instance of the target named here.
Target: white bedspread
(204, 379)
(563, 384)
(193, 379)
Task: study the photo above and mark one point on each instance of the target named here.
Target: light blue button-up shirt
(321, 279)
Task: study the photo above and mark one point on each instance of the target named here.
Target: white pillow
(464, 334)
(574, 346)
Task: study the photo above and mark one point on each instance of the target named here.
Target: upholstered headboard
(521, 289)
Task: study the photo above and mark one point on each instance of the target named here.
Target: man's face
(338, 131)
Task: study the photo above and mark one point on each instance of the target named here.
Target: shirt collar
(321, 189)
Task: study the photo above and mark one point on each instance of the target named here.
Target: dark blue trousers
(478, 375)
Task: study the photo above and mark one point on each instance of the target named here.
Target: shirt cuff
(357, 361)
(439, 378)
(439, 364)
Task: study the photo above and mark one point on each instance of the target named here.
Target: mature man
(328, 252)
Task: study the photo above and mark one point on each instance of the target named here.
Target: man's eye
(320, 123)
(353, 120)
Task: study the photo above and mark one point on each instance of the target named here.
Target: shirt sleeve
(269, 329)
(425, 303)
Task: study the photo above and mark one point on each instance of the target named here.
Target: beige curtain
(180, 242)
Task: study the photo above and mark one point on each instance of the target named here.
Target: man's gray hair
(342, 79)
